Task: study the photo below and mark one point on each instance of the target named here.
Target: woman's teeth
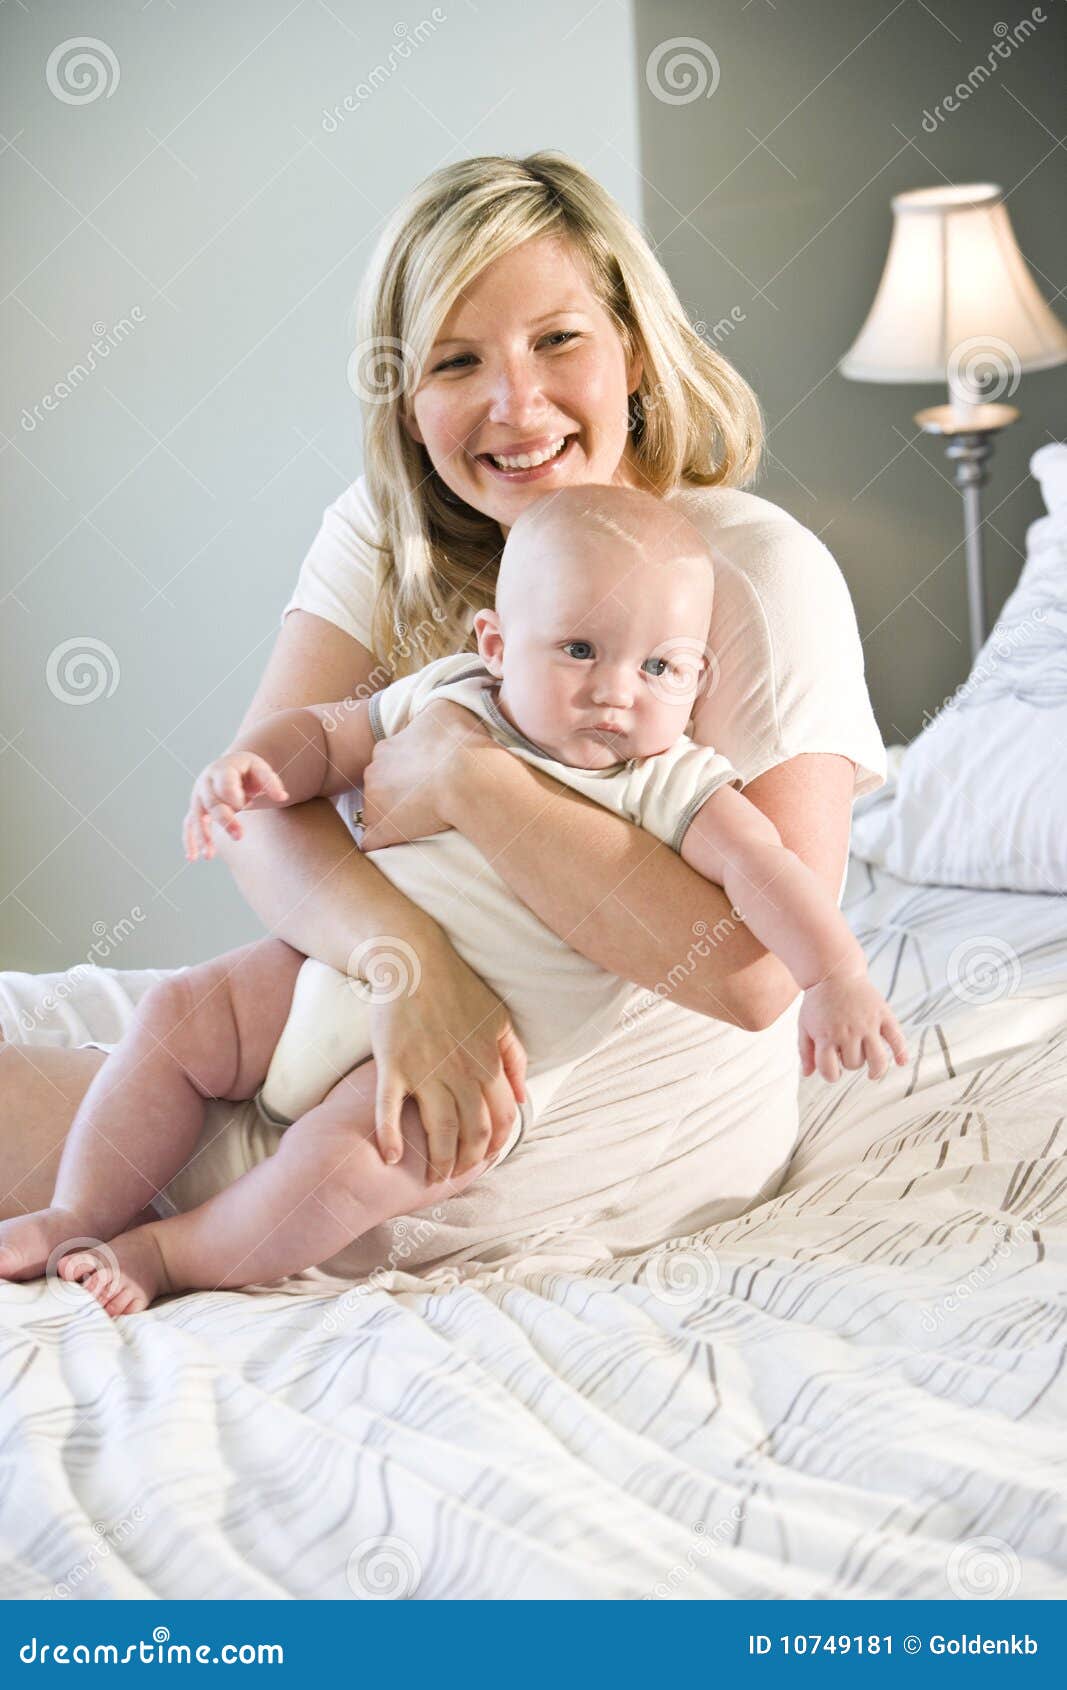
(530, 460)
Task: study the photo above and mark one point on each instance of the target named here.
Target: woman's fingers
(388, 1103)
(475, 1129)
(501, 1105)
(513, 1056)
(440, 1123)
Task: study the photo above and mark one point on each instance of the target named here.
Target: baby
(590, 667)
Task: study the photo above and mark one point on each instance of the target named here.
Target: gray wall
(836, 91)
(200, 222)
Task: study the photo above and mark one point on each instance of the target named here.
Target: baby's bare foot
(125, 1275)
(27, 1241)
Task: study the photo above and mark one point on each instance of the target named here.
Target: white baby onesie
(562, 1005)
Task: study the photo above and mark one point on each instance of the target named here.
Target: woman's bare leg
(325, 1185)
(207, 1032)
(41, 1089)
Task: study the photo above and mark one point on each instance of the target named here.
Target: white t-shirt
(662, 793)
(678, 1119)
(787, 671)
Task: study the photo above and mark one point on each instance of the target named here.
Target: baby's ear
(706, 675)
(490, 639)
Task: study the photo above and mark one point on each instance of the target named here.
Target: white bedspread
(854, 1390)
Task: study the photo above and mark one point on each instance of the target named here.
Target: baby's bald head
(600, 632)
(588, 539)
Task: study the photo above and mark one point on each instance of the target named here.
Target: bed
(854, 1390)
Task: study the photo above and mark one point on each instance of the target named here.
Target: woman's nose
(516, 396)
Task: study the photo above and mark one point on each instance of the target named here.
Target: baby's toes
(128, 1299)
(84, 1268)
(77, 1266)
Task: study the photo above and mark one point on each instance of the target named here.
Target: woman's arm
(629, 902)
(299, 869)
(446, 1040)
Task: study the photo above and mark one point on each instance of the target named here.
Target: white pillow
(980, 797)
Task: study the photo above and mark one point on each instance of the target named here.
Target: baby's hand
(227, 785)
(846, 1019)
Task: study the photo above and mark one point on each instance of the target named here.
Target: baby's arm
(790, 911)
(283, 759)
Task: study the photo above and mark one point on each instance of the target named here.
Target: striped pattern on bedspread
(854, 1390)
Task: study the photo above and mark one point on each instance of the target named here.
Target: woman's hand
(446, 1040)
(406, 779)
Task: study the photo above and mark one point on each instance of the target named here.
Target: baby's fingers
(874, 1053)
(197, 833)
(807, 1054)
(894, 1038)
(827, 1060)
(223, 814)
(261, 778)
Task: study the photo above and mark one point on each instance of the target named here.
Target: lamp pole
(969, 432)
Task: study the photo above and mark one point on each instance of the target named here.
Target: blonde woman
(515, 335)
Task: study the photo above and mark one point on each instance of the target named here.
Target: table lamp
(957, 303)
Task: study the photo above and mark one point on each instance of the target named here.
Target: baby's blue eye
(663, 665)
(585, 651)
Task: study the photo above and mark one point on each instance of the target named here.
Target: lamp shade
(956, 300)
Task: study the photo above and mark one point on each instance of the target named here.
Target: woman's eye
(583, 648)
(560, 336)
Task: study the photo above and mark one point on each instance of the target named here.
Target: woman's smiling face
(527, 358)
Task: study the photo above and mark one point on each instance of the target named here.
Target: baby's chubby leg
(206, 1032)
(325, 1185)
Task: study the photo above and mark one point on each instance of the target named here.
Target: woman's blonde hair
(693, 419)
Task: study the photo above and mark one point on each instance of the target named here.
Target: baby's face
(607, 664)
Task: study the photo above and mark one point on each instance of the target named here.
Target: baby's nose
(613, 688)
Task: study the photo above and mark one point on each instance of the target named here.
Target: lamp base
(969, 433)
(966, 419)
